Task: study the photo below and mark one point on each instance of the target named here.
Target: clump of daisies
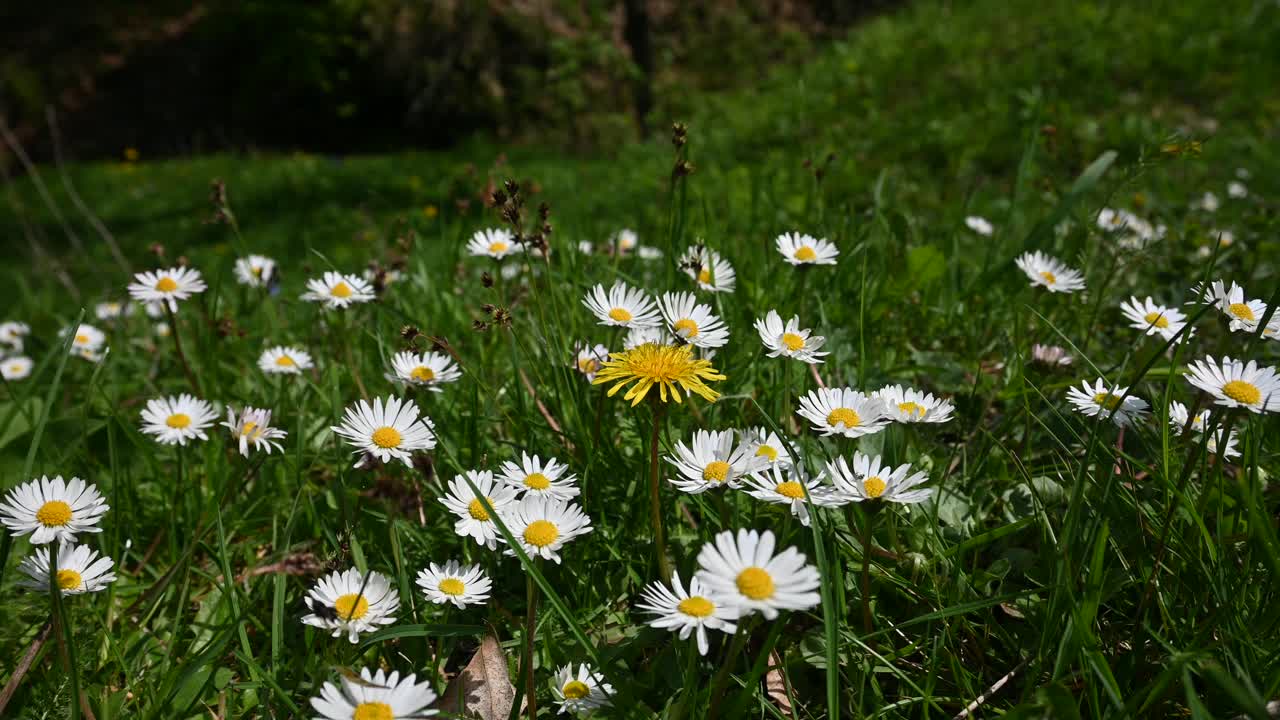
(336, 291)
(1102, 400)
(177, 419)
(800, 249)
(789, 339)
(1050, 273)
(428, 370)
(390, 429)
(349, 603)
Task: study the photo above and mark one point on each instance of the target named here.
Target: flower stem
(722, 676)
(867, 526)
(177, 344)
(660, 544)
(531, 619)
(67, 636)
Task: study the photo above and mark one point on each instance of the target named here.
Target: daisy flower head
(255, 271)
(1051, 355)
(1234, 383)
(375, 696)
(870, 480)
(713, 460)
(638, 336)
(1049, 272)
(908, 405)
(1153, 318)
(496, 243)
(622, 306)
(348, 603)
(1242, 313)
(430, 370)
(766, 445)
(587, 359)
(743, 570)
(843, 411)
(176, 419)
(687, 611)
(1178, 420)
(789, 339)
(665, 366)
(1099, 400)
(166, 286)
(648, 252)
(12, 334)
(390, 429)
(455, 583)
(86, 339)
(980, 225)
(336, 291)
(534, 477)
(80, 570)
(1236, 190)
(54, 509)
(791, 487)
(542, 525)
(112, 310)
(251, 427)
(624, 241)
(1207, 202)
(474, 519)
(799, 249)
(17, 367)
(581, 693)
(709, 269)
(693, 322)
(282, 360)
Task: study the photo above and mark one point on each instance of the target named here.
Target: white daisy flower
(980, 225)
(1048, 272)
(624, 241)
(800, 249)
(622, 306)
(745, 572)
(12, 334)
(542, 525)
(1234, 383)
(766, 445)
(1243, 314)
(1153, 318)
(581, 693)
(162, 329)
(1216, 239)
(1099, 400)
(1178, 417)
(429, 370)
(686, 613)
(53, 509)
(17, 367)
(284, 360)
(112, 310)
(586, 247)
(348, 603)
(455, 583)
(474, 520)
(788, 488)
(166, 286)
(870, 480)
(387, 430)
(648, 252)
(638, 336)
(496, 243)
(713, 460)
(693, 322)
(533, 477)
(255, 271)
(843, 411)
(1208, 202)
(174, 420)
(1051, 355)
(390, 276)
(1237, 190)
(789, 340)
(375, 696)
(709, 269)
(88, 340)
(337, 291)
(80, 570)
(251, 427)
(588, 359)
(154, 310)
(908, 405)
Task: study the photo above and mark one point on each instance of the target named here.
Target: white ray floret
(843, 411)
(622, 306)
(347, 603)
(908, 405)
(868, 479)
(375, 696)
(693, 322)
(496, 243)
(251, 429)
(387, 430)
(176, 419)
(1100, 400)
(744, 570)
(166, 287)
(455, 583)
(789, 339)
(1234, 383)
(335, 291)
(1050, 273)
(430, 370)
(474, 519)
(543, 525)
(1153, 318)
(53, 509)
(255, 270)
(80, 570)
(688, 612)
(534, 477)
(800, 249)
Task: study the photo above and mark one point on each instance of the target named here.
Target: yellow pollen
(178, 421)
(790, 489)
(373, 711)
(249, 428)
(1242, 392)
(422, 373)
(82, 339)
(912, 408)
(54, 513)
(166, 284)
(588, 365)
(477, 510)
(452, 586)
(620, 315)
(1107, 401)
(793, 341)
(844, 415)
(804, 253)
(1049, 277)
(69, 580)
(1242, 311)
(341, 290)
(755, 583)
(285, 361)
(256, 270)
(767, 451)
(386, 437)
(1157, 320)
(575, 690)
(704, 276)
(716, 471)
(696, 606)
(541, 533)
(873, 486)
(498, 247)
(537, 481)
(686, 326)
(351, 606)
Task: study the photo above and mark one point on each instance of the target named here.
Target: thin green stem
(67, 636)
(530, 623)
(660, 545)
(177, 345)
(867, 527)
(722, 676)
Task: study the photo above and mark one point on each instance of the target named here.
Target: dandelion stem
(531, 619)
(660, 545)
(177, 344)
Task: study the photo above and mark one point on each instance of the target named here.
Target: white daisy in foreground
(869, 480)
(587, 359)
(1178, 419)
(455, 583)
(474, 519)
(713, 460)
(534, 477)
(1049, 272)
(496, 243)
(17, 367)
(12, 333)
(255, 270)
(387, 430)
(251, 427)
(843, 411)
(709, 269)
(87, 341)
(112, 310)
(908, 405)
(1099, 400)
(581, 693)
(53, 509)
(789, 339)
(284, 360)
(745, 572)
(166, 286)
(336, 291)
(80, 570)
(766, 445)
(176, 419)
(1153, 318)
(980, 225)
(1051, 355)
(1237, 384)
(638, 336)
(687, 612)
(348, 603)
(429, 370)
(1243, 314)
(542, 525)
(1237, 190)
(375, 696)
(789, 488)
(800, 249)
(622, 306)
(693, 322)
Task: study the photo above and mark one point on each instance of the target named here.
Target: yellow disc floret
(790, 489)
(755, 583)
(178, 421)
(452, 586)
(1242, 392)
(575, 690)
(873, 486)
(351, 606)
(686, 327)
(805, 253)
(1242, 311)
(793, 341)
(54, 513)
(541, 533)
(341, 290)
(844, 415)
(422, 373)
(386, 437)
(620, 315)
(1158, 320)
(477, 511)
(537, 481)
(373, 711)
(696, 606)
(166, 284)
(69, 580)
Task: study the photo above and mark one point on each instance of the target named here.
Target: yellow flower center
(477, 511)
(1107, 401)
(620, 315)
(54, 513)
(422, 373)
(178, 421)
(69, 580)
(285, 361)
(804, 253)
(588, 365)
(452, 586)
(844, 415)
(1242, 392)
(341, 290)
(873, 486)
(373, 711)
(82, 339)
(386, 437)
(256, 270)
(912, 408)
(1049, 277)
(541, 533)
(1242, 311)
(755, 583)
(793, 341)
(704, 276)
(716, 471)
(790, 489)
(249, 428)
(767, 451)
(1157, 320)
(575, 690)
(166, 284)
(696, 606)
(686, 327)
(351, 606)
(498, 247)
(537, 481)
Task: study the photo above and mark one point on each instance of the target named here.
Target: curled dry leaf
(483, 689)
(775, 684)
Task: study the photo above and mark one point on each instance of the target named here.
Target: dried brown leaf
(483, 689)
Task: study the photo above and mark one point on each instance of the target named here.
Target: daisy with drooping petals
(166, 286)
(800, 249)
(533, 477)
(687, 613)
(1050, 273)
(12, 334)
(375, 696)
(843, 411)
(980, 225)
(1153, 319)
(713, 460)
(766, 445)
(744, 571)
(1099, 400)
(869, 480)
(907, 405)
(175, 420)
(337, 291)
(255, 271)
(1234, 383)
(474, 519)
(661, 365)
(542, 525)
(387, 430)
(80, 570)
(455, 583)
(252, 428)
(790, 488)
(348, 603)
(496, 243)
(284, 360)
(1243, 314)
(693, 322)
(789, 340)
(429, 370)
(622, 306)
(581, 693)
(588, 359)
(1178, 420)
(17, 367)
(53, 509)
(709, 269)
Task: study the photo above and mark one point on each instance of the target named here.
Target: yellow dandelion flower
(662, 365)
